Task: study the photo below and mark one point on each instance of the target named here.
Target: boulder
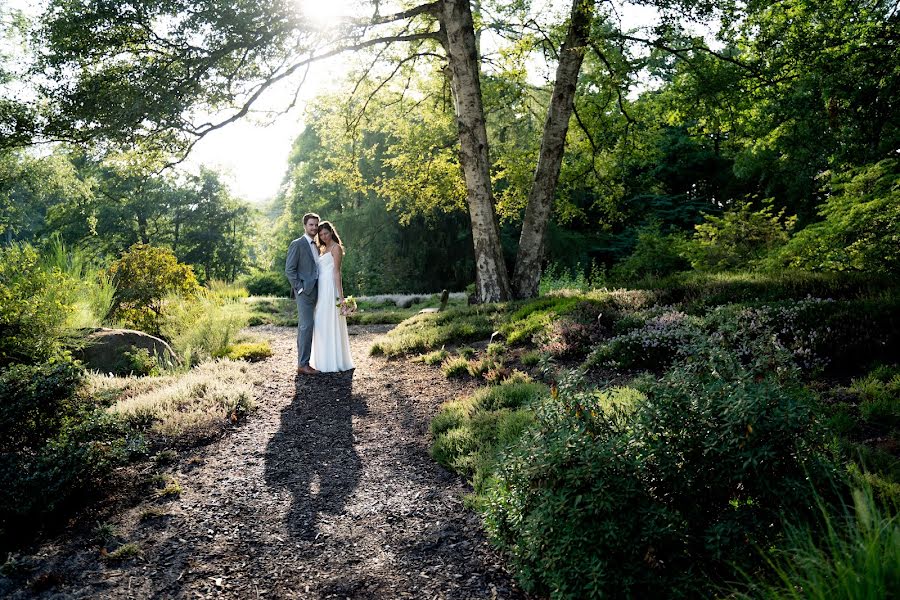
(104, 349)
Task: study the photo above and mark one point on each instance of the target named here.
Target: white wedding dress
(330, 343)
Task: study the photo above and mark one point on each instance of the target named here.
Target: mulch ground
(325, 491)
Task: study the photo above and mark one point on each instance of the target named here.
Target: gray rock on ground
(104, 349)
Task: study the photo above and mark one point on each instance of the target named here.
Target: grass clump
(471, 433)
(125, 552)
(850, 554)
(205, 327)
(249, 351)
(198, 403)
(436, 357)
(530, 358)
(455, 367)
(168, 488)
(430, 331)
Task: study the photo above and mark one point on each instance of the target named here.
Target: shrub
(530, 358)
(268, 283)
(203, 327)
(654, 345)
(226, 291)
(655, 255)
(197, 404)
(860, 229)
(740, 238)
(612, 494)
(35, 401)
(470, 434)
(249, 351)
(140, 363)
(430, 331)
(144, 276)
(54, 445)
(33, 308)
(576, 334)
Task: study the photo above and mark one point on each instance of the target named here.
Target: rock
(445, 297)
(104, 349)
(429, 310)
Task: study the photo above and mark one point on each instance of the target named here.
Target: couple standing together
(314, 269)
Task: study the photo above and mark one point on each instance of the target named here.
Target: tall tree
(530, 255)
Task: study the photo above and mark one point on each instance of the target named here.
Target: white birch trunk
(529, 258)
(491, 277)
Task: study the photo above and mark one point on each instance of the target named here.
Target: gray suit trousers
(306, 307)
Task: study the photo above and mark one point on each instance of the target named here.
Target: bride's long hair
(334, 235)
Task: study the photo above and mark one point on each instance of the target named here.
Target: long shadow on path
(312, 454)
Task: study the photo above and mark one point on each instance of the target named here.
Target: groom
(303, 273)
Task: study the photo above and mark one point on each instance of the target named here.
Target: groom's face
(312, 227)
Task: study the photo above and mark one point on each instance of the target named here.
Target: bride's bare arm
(338, 257)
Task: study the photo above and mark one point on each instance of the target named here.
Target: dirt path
(327, 491)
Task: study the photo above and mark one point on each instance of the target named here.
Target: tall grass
(197, 403)
(204, 327)
(854, 555)
(90, 292)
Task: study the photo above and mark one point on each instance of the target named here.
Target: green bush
(140, 363)
(33, 307)
(249, 351)
(455, 367)
(471, 434)
(860, 230)
(655, 255)
(740, 238)
(144, 277)
(204, 326)
(268, 283)
(613, 494)
(436, 357)
(54, 445)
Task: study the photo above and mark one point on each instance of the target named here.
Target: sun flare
(325, 13)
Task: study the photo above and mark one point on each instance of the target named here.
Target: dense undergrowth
(700, 435)
(64, 431)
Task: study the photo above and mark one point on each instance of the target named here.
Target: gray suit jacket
(300, 267)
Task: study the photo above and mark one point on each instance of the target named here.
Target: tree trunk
(491, 277)
(527, 275)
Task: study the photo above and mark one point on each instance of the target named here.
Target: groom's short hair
(309, 216)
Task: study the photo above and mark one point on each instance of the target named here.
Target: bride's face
(325, 236)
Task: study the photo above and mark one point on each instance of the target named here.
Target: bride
(330, 342)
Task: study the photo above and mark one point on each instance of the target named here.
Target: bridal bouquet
(347, 306)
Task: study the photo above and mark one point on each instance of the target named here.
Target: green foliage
(851, 554)
(54, 445)
(434, 330)
(436, 357)
(534, 317)
(139, 363)
(249, 351)
(620, 493)
(740, 238)
(470, 434)
(879, 400)
(655, 255)
(33, 307)
(455, 367)
(204, 326)
(860, 230)
(268, 283)
(144, 276)
(530, 358)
